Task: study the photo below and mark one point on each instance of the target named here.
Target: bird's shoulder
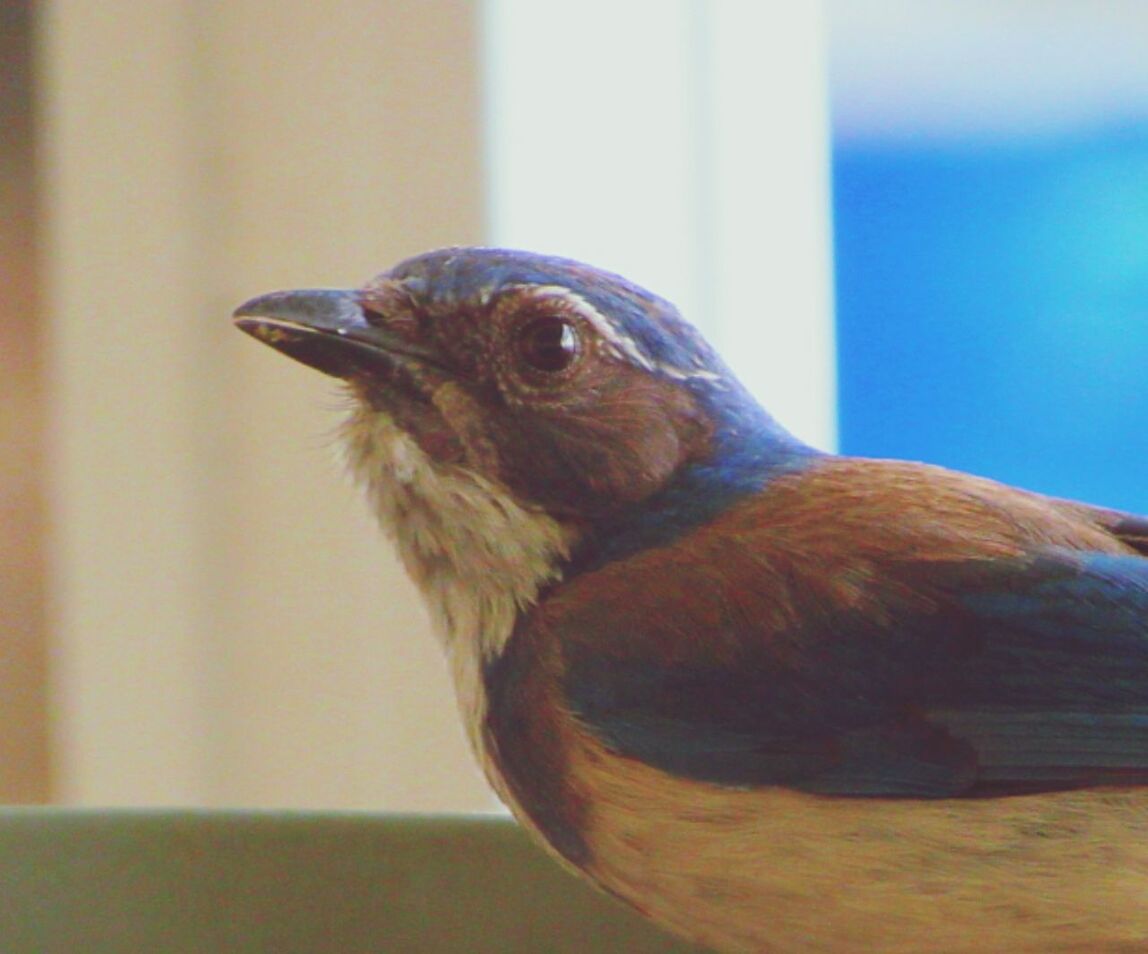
(849, 534)
(868, 628)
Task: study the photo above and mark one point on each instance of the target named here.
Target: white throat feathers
(478, 556)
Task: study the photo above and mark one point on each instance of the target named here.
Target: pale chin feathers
(477, 555)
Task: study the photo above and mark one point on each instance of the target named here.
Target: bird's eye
(548, 343)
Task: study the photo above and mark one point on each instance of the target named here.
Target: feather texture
(774, 699)
(801, 648)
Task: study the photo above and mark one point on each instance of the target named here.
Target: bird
(773, 698)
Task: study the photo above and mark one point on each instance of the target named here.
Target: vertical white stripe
(770, 245)
(683, 144)
(590, 135)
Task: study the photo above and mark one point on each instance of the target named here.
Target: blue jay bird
(774, 699)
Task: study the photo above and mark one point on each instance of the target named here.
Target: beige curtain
(227, 626)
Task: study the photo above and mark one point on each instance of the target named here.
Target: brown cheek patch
(649, 428)
(615, 447)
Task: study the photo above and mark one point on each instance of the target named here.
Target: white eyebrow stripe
(620, 343)
(679, 375)
(623, 343)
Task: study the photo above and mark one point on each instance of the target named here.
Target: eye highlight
(548, 343)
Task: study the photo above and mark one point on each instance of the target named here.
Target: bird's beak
(327, 329)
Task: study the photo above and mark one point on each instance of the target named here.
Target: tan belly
(773, 870)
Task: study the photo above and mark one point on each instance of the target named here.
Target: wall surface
(229, 628)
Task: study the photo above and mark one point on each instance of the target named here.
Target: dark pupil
(549, 344)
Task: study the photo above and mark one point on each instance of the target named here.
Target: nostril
(373, 316)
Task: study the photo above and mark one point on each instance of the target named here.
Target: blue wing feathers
(1029, 675)
(1076, 596)
(1064, 632)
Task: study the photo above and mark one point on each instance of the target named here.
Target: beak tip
(264, 306)
(245, 310)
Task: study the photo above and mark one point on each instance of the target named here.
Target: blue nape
(993, 309)
(750, 450)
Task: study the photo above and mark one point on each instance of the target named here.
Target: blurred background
(916, 230)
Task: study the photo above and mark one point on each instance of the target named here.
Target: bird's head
(565, 390)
